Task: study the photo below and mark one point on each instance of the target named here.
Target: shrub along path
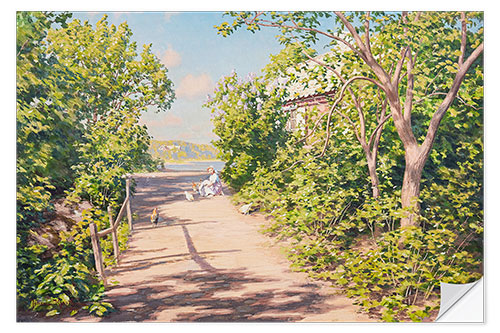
(207, 262)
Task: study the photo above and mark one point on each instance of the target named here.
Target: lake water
(196, 165)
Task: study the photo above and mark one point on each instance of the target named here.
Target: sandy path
(207, 262)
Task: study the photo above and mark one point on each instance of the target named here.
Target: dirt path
(207, 262)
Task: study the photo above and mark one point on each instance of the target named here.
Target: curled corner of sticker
(461, 303)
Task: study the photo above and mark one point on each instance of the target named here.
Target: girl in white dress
(212, 185)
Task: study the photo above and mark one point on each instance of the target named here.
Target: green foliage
(51, 283)
(315, 197)
(28, 260)
(431, 42)
(406, 266)
(44, 126)
(106, 156)
(338, 231)
(80, 93)
(289, 57)
(249, 124)
(342, 234)
(116, 85)
(111, 76)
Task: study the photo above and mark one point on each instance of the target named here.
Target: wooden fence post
(96, 246)
(129, 211)
(116, 248)
(113, 229)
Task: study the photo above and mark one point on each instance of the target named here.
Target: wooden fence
(96, 235)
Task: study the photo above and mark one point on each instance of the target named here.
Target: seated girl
(212, 185)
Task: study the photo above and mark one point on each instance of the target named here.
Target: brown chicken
(195, 187)
(155, 217)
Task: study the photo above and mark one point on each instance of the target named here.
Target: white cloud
(169, 120)
(170, 57)
(156, 122)
(192, 135)
(194, 86)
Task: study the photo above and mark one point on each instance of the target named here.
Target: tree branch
(367, 55)
(437, 93)
(268, 23)
(382, 121)
(257, 14)
(450, 96)
(355, 100)
(463, 41)
(342, 91)
(354, 34)
(22, 48)
(432, 81)
(399, 67)
(361, 138)
(409, 89)
(362, 135)
(367, 32)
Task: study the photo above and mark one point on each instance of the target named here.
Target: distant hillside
(180, 150)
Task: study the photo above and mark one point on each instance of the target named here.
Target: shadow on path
(159, 283)
(205, 300)
(206, 295)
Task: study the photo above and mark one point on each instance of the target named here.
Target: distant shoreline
(190, 160)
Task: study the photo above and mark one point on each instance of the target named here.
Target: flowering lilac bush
(249, 123)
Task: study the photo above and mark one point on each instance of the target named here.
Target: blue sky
(196, 58)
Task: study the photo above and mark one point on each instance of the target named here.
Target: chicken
(245, 209)
(195, 187)
(189, 196)
(155, 217)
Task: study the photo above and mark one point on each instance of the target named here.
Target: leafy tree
(422, 43)
(350, 108)
(110, 76)
(324, 204)
(44, 125)
(291, 56)
(113, 147)
(114, 86)
(80, 93)
(249, 124)
(360, 107)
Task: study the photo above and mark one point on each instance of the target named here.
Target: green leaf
(52, 313)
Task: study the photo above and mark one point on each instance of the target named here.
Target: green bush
(67, 279)
(341, 234)
(403, 270)
(80, 93)
(249, 124)
(319, 195)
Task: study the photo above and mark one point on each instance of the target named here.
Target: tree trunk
(372, 171)
(410, 191)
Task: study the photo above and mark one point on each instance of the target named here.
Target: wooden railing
(96, 235)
